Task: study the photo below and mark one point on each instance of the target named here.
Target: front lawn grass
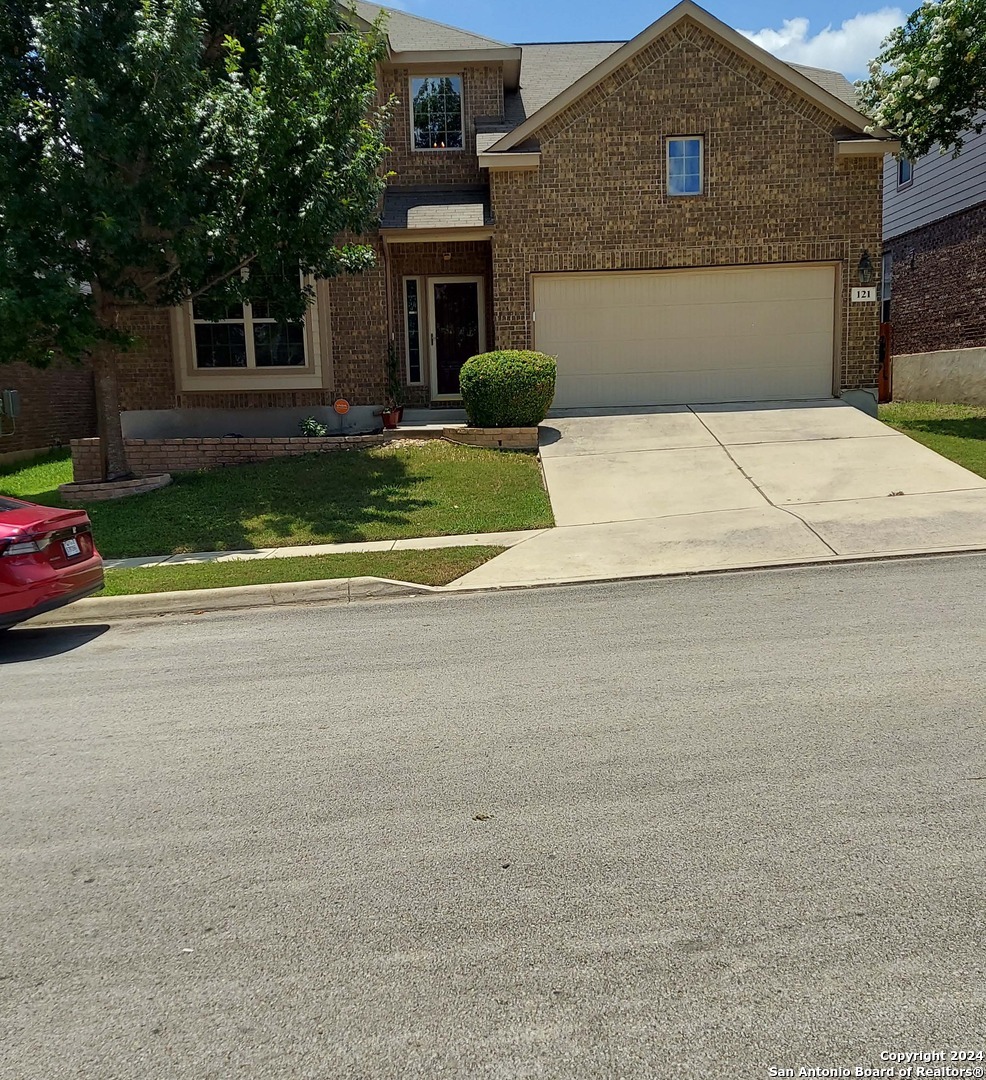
(39, 477)
(389, 493)
(437, 567)
(957, 432)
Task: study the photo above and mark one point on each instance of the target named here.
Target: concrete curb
(348, 590)
(197, 601)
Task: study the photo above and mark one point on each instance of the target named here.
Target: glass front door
(457, 330)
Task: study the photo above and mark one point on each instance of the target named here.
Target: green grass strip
(436, 566)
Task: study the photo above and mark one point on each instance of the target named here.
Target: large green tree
(928, 84)
(159, 150)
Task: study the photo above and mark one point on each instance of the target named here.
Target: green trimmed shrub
(508, 388)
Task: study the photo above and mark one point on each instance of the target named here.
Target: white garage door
(676, 336)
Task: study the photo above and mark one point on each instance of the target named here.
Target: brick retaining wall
(494, 438)
(150, 457)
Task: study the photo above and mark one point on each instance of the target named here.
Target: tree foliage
(152, 149)
(928, 84)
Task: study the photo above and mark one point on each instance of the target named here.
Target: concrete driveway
(679, 488)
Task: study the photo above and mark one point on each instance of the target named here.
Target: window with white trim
(247, 336)
(413, 328)
(905, 172)
(685, 165)
(436, 112)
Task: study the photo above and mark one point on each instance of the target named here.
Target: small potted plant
(394, 412)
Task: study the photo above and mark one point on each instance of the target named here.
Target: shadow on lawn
(971, 427)
(318, 498)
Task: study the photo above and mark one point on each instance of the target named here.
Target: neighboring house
(934, 244)
(57, 404)
(677, 218)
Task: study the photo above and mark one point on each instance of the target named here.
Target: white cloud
(846, 48)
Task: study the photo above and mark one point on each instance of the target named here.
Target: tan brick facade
(482, 96)
(775, 192)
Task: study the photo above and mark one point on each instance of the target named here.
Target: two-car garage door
(676, 336)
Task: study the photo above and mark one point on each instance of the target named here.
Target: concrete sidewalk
(684, 489)
(424, 543)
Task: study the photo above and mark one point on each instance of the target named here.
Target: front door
(458, 330)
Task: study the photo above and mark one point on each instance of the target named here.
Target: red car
(47, 559)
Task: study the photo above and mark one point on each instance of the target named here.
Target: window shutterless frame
(905, 173)
(414, 330)
(684, 165)
(440, 110)
(276, 373)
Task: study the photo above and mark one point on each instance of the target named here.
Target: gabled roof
(827, 89)
(410, 33)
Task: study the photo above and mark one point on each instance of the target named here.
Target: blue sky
(839, 34)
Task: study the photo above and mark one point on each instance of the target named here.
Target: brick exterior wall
(774, 190)
(57, 405)
(152, 457)
(938, 295)
(358, 320)
(146, 372)
(482, 95)
(473, 259)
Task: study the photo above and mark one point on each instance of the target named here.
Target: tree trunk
(104, 368)
(109, 426)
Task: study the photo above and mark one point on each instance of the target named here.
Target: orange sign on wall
(341, 406)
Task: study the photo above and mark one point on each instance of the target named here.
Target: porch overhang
(436, 236)
(528, 160)
(421, 215)
(866, 147)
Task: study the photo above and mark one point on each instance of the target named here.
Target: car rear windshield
(6, 504)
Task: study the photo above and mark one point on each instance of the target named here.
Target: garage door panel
(625, 338)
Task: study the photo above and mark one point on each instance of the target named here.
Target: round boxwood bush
(508, 388)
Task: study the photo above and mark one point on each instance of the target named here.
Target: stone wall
(774, 191)
(951, 375)
(151, 457)
(938, 295)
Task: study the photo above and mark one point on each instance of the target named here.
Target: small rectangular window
(412, 315)
(685, 165)
(436, 112)
(905, 172)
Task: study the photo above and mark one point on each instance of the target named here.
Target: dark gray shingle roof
(548, 68)
(836, 84)
(436, 208)
(411, 33)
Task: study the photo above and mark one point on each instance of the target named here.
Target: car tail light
(26, 546)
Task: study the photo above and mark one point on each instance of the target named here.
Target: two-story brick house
(679, 217)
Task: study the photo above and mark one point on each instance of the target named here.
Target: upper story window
(436, 112)
(905, 172)
(686, 165)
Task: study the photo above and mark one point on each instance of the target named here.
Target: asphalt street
(692, 828)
